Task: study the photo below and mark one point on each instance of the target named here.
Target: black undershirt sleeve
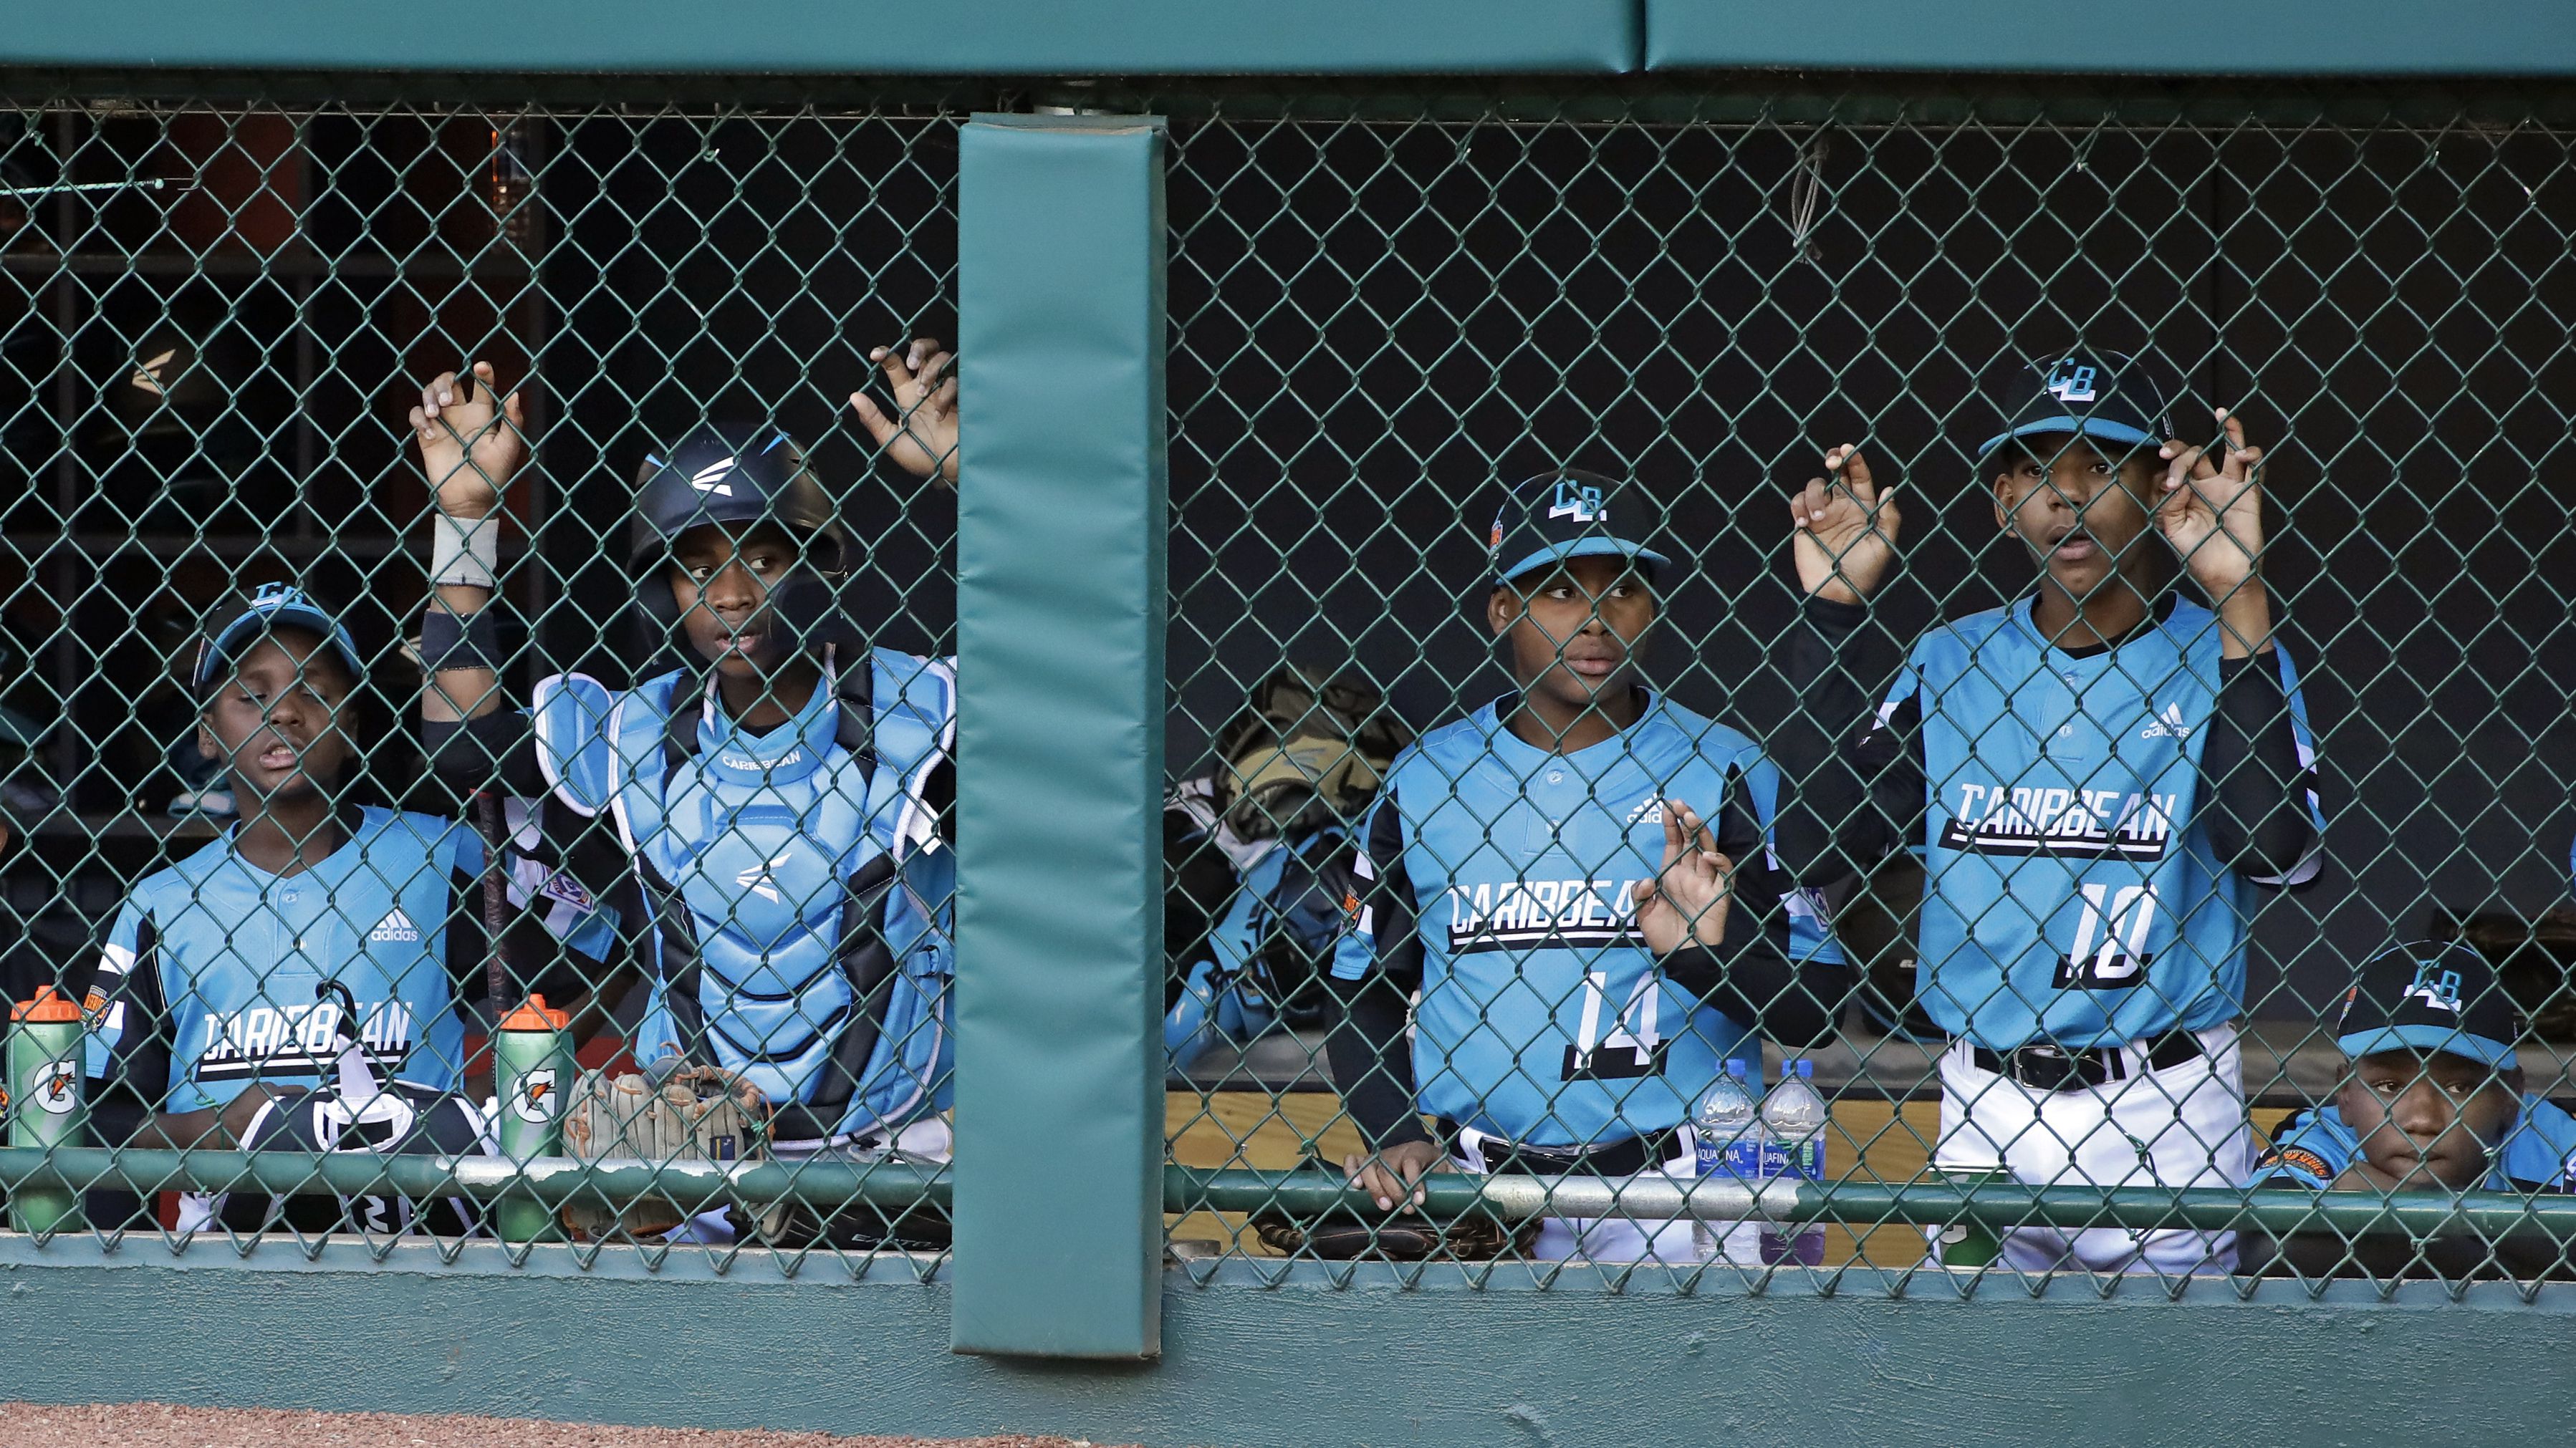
(466, 959)
(497, 747)
(1371, 1057)
(1748, 974)
(535, 961)
(138, 1071)
(1851, 784)
(2258, 820)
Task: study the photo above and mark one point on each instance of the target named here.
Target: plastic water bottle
(1728, 1145)
(1793, 1146)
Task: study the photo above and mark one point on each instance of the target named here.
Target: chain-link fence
(1487, 412)
(253, 847)
(2046, 897)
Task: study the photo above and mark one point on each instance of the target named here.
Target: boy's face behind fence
(724, 582)
(2435, 1113)
(1575, 630)
(2081, 512)
(277, 720)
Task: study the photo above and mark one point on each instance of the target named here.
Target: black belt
(1600, 1158)
(2056, 1068)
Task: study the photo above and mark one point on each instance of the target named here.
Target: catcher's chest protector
(803, 885)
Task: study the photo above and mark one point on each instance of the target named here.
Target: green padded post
(1060, 607)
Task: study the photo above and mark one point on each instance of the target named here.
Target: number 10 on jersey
(2110, 951)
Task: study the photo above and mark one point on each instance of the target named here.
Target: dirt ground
(159, 1425)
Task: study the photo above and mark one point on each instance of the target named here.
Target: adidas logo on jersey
(394, 928)
(1649, 811)
(2169, 725)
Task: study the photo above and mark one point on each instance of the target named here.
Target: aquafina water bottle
(1793, 1142)
(1728, 1146)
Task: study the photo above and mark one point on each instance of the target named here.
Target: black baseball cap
(1567, 514)
(274, 606)
(2427, 997)
(2107, 395)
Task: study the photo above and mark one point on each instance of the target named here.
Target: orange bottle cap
(535, 1015)
(50, 1006)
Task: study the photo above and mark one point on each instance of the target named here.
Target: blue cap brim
(2095, 427)
(219, 654)
(1585, 548)
(2450, 1040)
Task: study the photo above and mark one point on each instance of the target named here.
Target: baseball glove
(1343, 1236)
(696, 1114)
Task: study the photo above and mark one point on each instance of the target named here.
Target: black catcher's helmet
(741, 474)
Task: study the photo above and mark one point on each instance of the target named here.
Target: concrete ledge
(1301, 1362)
(2180, 37)
(847, 37)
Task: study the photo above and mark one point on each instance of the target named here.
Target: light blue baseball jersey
(1543, 1016)
(2072, 894)
(207, 981)
(2315, 1147)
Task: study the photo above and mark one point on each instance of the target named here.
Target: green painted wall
(1324, 37)
(2180, 37)
(841, 37)
(1300, 1366)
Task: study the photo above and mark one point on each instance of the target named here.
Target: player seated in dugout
(302, 982)
(1576, 881)
(2435, 1101)
(2099, 776)
(785, 786)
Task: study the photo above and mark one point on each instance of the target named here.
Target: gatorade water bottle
(533, 1068)
(44, 1105)
(1793, 1140)
(1728, 1146)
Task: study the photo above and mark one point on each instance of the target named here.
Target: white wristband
(465, 551)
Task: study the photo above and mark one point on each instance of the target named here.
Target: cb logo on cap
(1582, 502)
(2438, 989)
(2070, 381)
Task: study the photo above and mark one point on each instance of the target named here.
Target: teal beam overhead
(1061, 600)
(842, 37)
(2181, 37)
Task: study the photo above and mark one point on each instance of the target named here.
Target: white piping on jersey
(545, 756)
(916, 824)
(617, 787)
(115, 960)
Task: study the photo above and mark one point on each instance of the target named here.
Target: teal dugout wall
(1060, 624)
(2191, 37)
(1299, 1364)
(858, 37)
(1315, 37)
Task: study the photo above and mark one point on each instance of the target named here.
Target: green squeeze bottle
(44, 1102)
(533, 1065)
